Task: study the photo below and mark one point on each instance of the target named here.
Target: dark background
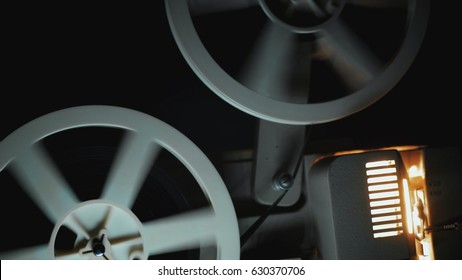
(61, 55)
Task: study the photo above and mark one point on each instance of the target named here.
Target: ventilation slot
(384, 198)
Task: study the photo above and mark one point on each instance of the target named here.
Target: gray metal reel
(106, 227)
(274, 84)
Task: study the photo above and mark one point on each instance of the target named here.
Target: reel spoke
(76, 225)
(68, 255)
(128, 240)
(350, 58)
(266, 60)
(278, 65)
(134, 159)
(180, 232)
(43, 183)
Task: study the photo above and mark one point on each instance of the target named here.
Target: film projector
(109, 182)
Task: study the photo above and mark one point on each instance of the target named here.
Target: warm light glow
(414, 171)
(380, 163)
(407, 203)
(387, 233)
(417, 213)
(383, 187)
(384, 191)
(426, 248)
(418, 223)
(385, 202)
(387, 226)
(382, 179)
(379, 211)
(421, 195)
(380, 171)
(386, 218)
(383, 195)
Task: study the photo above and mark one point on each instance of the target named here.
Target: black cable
(250, 231)
(452, 224)
(302, 153)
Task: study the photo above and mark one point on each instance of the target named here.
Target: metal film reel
(106, 227)
(299, 61)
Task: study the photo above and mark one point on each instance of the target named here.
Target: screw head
(98, 249)
(283, 181)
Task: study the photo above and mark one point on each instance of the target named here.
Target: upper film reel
(299, 61)
(107, 226)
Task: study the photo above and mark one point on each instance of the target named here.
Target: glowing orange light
(384, 198)
(415, 171)
(407, 203)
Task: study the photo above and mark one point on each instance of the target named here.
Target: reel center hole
(303, 13)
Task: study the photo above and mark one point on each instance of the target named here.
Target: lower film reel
(104, 182)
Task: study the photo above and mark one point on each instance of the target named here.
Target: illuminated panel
(407, 203)
(384, 198)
